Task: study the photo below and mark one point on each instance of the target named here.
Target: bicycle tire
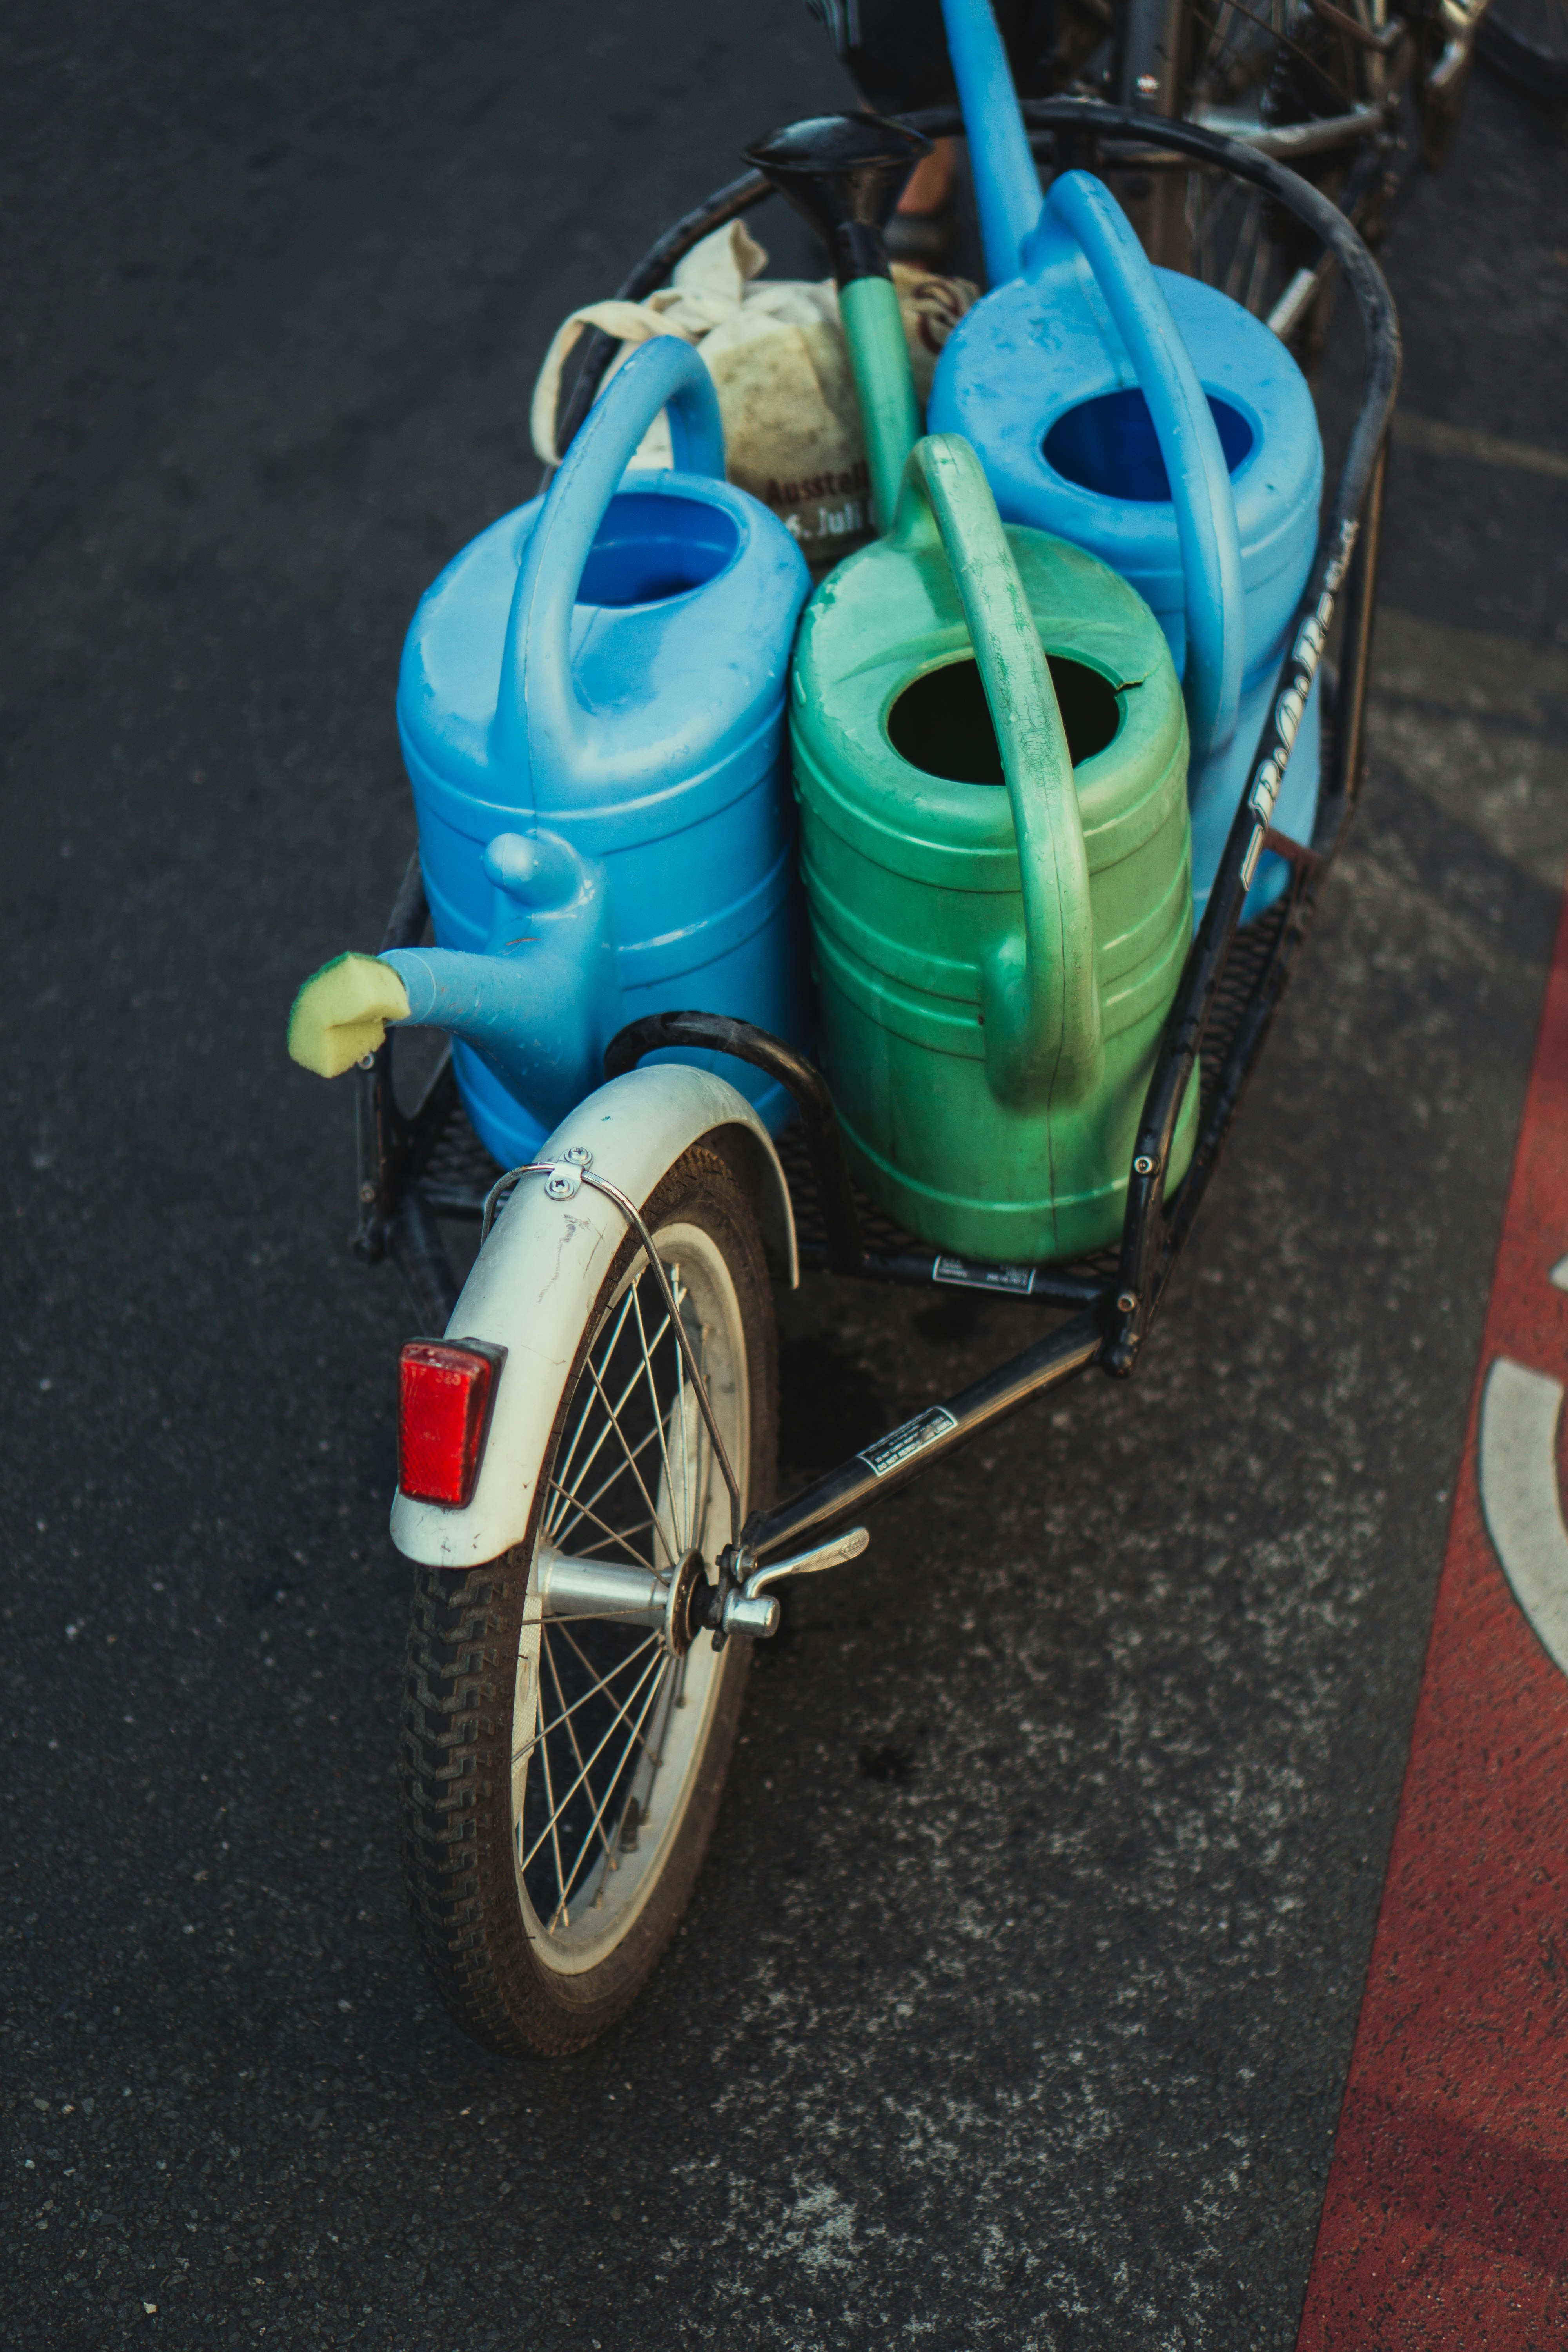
(556, 1807)
(1537, 71)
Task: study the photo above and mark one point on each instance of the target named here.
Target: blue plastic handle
(1183, 423)
(539, 717)
(1007, 193)
(1006, 184)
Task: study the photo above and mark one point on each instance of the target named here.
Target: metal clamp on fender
(563, 1177)
(749, 1607)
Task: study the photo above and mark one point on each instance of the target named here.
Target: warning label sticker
(913, 1437)
(1018, 1278)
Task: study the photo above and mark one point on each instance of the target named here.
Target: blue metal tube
(1006, 184)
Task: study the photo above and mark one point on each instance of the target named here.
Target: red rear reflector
(444, 1411)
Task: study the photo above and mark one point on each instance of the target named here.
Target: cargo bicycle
(587, 1438)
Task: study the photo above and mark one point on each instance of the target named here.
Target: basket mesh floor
(459, 1172)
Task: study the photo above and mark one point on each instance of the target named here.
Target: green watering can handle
(1044, 1040)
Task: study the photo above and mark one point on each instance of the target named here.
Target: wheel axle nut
(760, 1618)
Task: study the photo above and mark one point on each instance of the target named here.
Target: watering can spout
(540, 1004)
(1006, 184)
(844, 173)
(1024, 235)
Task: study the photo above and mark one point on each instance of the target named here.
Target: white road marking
(1519, 1498)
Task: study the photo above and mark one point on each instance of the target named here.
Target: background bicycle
(1348, 95)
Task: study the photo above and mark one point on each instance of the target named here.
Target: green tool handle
(884, 385)
(1044, 1040)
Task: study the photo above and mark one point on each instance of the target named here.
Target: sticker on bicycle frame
(957, 1270)
(888, 1452)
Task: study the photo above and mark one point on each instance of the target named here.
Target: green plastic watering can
(990, 755)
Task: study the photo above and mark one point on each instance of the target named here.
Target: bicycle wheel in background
(1269, 64)
(1527, 41)
(563, 1757)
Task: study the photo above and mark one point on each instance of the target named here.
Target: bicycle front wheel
(1528, 41)
(562, 1767)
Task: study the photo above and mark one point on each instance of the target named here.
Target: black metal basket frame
(418, 1168)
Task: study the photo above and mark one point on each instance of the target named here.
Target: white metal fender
(534, 1285)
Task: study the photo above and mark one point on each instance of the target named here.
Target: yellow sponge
(342, 1014)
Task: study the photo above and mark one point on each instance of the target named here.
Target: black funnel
(843, 174)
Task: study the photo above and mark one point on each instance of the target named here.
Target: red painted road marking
(1445, 2221)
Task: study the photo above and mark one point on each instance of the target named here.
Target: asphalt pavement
(1015, 2005)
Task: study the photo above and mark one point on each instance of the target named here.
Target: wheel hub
(675, 1604)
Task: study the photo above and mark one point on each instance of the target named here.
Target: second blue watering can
(1146, 417)
(591, 706)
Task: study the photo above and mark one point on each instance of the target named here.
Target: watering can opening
(1109, 446)
(649, 549)
(941, 724)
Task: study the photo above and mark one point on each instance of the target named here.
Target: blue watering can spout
(1006, 184)
(545, 998)
(540, 1004)
(1023, 237)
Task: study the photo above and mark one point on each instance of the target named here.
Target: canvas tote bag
(775, 350)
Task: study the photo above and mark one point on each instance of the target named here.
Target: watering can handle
(1042, 1020)
(1189, 442)
(538, 714)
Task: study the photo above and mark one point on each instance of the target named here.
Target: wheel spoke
(620, 1715)
(611, 1536)
(554, 1813)
(587, 1552)
(558, 1532)
(1213, 208)
(658, 1418)
(1251, 224)
(596, 1375)
(564, 1719)
(687, 1489)
(586, 1662)
(565, 1463)
(601, 1685)
(622, 1617)
(603, 1366)
(1256, 285)
(613, 1411)
(653, 1760)
(636, 1473)
(634, 1737)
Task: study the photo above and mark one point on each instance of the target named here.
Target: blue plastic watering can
(1150, 419)
(591, 706)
